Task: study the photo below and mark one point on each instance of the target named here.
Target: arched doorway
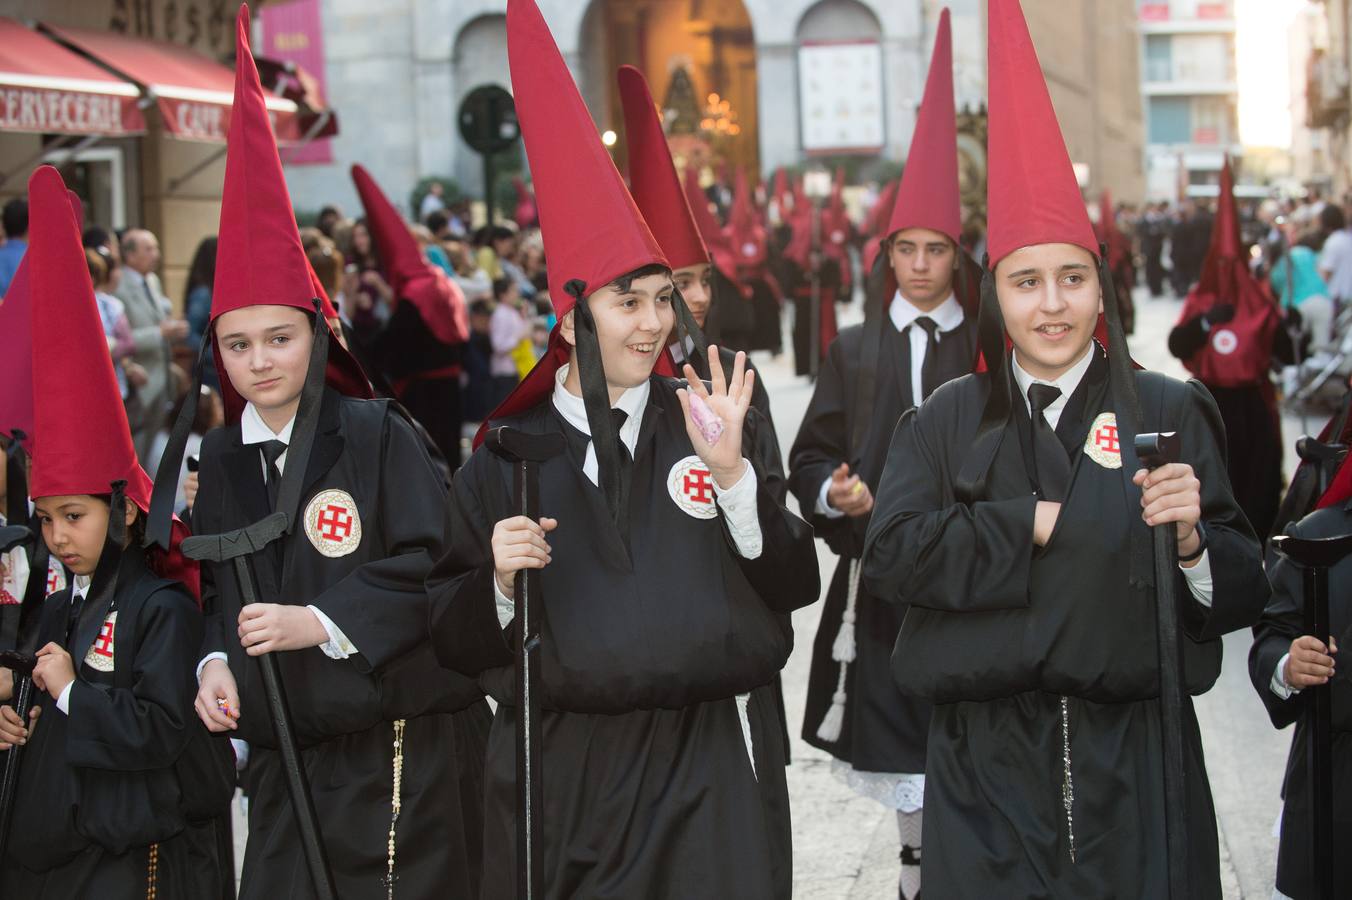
(690, 51)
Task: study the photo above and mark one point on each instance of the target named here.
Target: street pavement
(846, 846)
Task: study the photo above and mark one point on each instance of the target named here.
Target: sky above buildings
(1263, 70)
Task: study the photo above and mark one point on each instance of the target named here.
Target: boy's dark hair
(540, 281)
(15, 218)
(437, 220)
(480, 308)
(626, 281)
(96, 236)
(1331, 219)
(501, 286)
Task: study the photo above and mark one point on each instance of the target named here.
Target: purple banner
(293, 32)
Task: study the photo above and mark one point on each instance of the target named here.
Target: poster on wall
(840, 96)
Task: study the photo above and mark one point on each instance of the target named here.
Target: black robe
(1255, 458)
(423, 373)
(648, 788)
(1283, 622)
(97, 787)
(999, 631)
(343, 709)
(884, 729)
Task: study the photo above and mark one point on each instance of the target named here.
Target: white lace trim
(902, 791)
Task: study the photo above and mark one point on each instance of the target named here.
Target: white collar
(79, 586)
(253, 430)
(574, 410)
(947, 315)
(682, 349)
(129, 272)
(1068, 381)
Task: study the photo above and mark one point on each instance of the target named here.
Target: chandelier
(719, 119)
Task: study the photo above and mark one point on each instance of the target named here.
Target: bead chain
(1068, 784)
(396, 803)
(152, 872)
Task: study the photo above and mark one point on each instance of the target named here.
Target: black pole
(1316, 556)
(526, 452)
(1155, 450)
(1319, 746)
(20, 666)
(814, 263)
(488, 187)
(237, 546)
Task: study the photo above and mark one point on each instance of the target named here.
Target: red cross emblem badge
(1103, 445)
(100, 654)
(56, 576)
(332, 523)
(692, 488)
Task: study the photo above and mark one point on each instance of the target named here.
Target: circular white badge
(332, 523)
(1225, 341)
(1102, 444)
(692, 488)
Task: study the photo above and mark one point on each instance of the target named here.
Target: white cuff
(739, 509)
(337, 646)
(824, 507)
(1279, 685)
(1199, 578)
(63, 702)
(506, 606)
(208, 658)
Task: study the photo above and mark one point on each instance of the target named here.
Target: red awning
(194, 92)
(45, 88)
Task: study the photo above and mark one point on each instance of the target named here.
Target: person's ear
(130, 512)
(567, 330)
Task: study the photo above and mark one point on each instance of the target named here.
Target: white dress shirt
(253, 430)
(738, 503)
(903, 313)
(1199, 576)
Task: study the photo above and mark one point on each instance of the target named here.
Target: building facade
(398, 74)
(1190, 90)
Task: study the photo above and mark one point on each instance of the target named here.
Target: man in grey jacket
(153, 329)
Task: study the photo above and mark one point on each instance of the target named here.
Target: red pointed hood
(81, 441)
(744, 230)
(411, 277)
(720, 251)
(1032, 195)
(653, 181)
(928, 194)
(259, 257)
(526, 215)
(1226, 245)
(592, 230)
(16, 356)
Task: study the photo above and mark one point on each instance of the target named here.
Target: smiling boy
(668, 569)
(1014, 519)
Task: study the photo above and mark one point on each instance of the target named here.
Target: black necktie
(73, 614)
(272, 451)
(929, 368)
(619, 416)
(1051, 463)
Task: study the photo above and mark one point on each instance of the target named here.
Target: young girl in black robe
(99, 809)
(392, 748)
(1014, 519)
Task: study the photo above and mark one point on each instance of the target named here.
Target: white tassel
(843, 652)
(834, 720)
